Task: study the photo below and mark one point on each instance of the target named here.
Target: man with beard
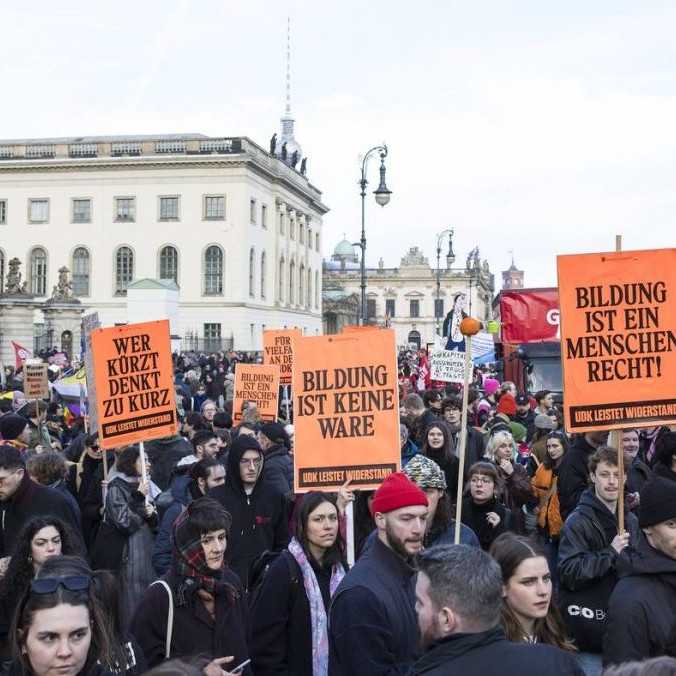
(458, 600)
(372, 627)
(474, 447)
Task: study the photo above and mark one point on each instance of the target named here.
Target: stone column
(61, 316)
(16, 324)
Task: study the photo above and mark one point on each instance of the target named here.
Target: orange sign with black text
(278, 349)
(346, 410)
(134, 378)
(257, 383)
(618, 339)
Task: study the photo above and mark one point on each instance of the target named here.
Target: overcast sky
(537, 127)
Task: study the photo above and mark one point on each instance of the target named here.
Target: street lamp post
(450, 257)
(382, 195)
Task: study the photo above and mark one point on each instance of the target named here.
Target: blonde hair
(495, 440)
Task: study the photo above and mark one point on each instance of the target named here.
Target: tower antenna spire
(288, 66)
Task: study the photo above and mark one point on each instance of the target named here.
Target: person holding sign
(588, 551)
(372, 627)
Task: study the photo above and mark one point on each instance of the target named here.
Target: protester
(408, 448)
(528, 614)
(14, 431)
(659, 666)
(516, 492)
(642, 609)
(129, 511)
(665, 456)
(542, 426)
(364, 524)
(451, 409)
(525, 415)
(638, 473)
(482, 510)
(289, 617)
(164, 454)
(22, 499)
(210, 616)
(588, 550)
(459, 592)
(438, 446)
(574, 470)
(61, 627)
(200, 478)
(205, 445)
(278, 466)
(420, 418)
(544, 486)
(372, 626)
(259, 512)
(440, 529)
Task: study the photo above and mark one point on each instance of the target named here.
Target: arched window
(281, 280)
(292, 281)
(2, 270)
(252, 272)
(308, 299)
(301, 285)
(81, 271)
(263, 274)
(213, 271)
(317, 289)
(124, 269)
(38, 271)
(169, 263)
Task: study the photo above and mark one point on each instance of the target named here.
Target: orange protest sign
(278, 349)
(355, 328)
(134, 378)
(618, 338)
(257, 383)
(346, 410)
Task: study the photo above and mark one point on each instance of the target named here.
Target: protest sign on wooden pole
(89, 323)
(36, 381)
(257, 383)
(134, 377)
(463, 436)
(618, 340)
(346, 410)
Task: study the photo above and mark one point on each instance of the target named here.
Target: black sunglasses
(48, 585)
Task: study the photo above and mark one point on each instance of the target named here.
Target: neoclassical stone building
(406, 297)
(237, 227)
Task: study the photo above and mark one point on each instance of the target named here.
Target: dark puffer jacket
(574, 475)
(642, 611)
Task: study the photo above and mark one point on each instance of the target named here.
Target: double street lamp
(450, 258)
(382, 195)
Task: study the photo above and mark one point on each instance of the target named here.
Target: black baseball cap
(522, 399)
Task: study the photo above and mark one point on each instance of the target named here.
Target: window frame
(36, 288)
(117, 290)
(73, 201)
(417, 306)
(163, 248)
(117, 218)
(4, 207)
(221, 276)
(210, 196)
(31, 202)
(169, 219)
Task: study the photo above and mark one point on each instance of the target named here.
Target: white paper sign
(448, 366)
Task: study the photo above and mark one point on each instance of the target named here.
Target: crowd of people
(192, 554)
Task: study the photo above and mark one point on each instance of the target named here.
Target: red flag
(20, 354)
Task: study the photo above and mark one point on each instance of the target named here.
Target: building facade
(237, 228)
(405, 298)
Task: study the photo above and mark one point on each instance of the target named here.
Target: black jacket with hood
(278, 469)
(574, 475)
(642, 611)
(489, 653)
(259, 520)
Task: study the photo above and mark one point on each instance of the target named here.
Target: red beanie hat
(507, 404)
(395, 492)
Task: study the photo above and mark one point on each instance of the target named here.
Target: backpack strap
(170, 619)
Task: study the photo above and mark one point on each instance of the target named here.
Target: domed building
(344, 257)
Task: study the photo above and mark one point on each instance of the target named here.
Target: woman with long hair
(544, 487)
(40, 538)
(438, 446)
(528, 614)
(502, 452)
(198, 607)
(290, 611)
(62, 627)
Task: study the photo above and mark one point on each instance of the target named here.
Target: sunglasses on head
(48, 585)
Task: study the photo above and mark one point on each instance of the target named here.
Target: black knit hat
(658, 502)
(11, 426)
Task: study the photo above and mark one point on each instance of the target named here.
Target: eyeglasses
(48, 585)
(246, 462)
(481, 480)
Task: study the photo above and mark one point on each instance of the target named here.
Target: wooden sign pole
(463, 436)
(615, 441)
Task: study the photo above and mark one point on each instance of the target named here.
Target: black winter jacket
(474, 516)
(278, 469)
(573, 475)
(259, 520)
(280, 619)
(373, 627)
(195, 632)
(642, 611)
(31, 499)
(585, 554)
(489, 653)
(164, 455)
